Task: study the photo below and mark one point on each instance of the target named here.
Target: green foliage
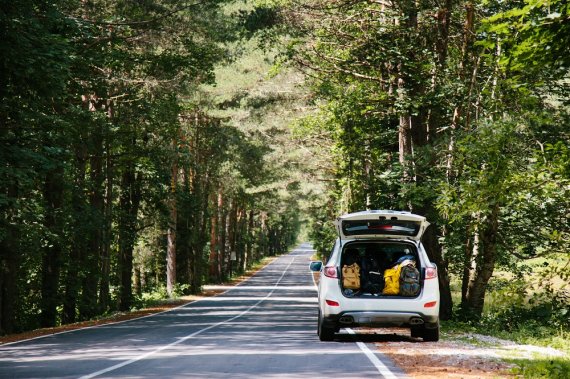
(260, 18)
(555, 368)
(536, 36)
(322, 232)
(139, 107)
(458, 116)
(540, 313)
(104, 97)
(530, 305)
(159, 296)
(537, 325)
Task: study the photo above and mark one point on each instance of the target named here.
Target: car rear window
(380, 227)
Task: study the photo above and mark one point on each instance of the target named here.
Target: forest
(159, 145)
(127, 165)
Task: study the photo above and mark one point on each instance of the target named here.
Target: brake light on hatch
(381, 227)
(431, 272)
(330, 272)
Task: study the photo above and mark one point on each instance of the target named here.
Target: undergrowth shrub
(518, 310)
(542, 368)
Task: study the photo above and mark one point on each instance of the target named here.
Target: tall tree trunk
(470, 261)
(129, 205)
(249, 255)
(200, 265)
(222, 234)
(137, 286)
(405, 140)
(232, 230)
(185, 222)
(263, 238)
(171, 234)
(104, 285)
(483, 264)
(8, 281)
(468, 40)
(442, 39)
(88, 306)
(78, 244)
(171, 258)
(51, 254)
(435, 253)
(72, 284)
(214, 240)
(9, 264)
(404, 130)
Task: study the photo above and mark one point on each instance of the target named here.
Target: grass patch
(556, 368)
(530, 335)
(528, 304)
(539, 365)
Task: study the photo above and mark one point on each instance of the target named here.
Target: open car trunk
(384, 224)
(380, 269)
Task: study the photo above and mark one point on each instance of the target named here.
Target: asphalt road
(263, 328)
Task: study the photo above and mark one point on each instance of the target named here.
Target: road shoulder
(163, 306)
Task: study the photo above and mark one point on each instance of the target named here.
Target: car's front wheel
(325, 333)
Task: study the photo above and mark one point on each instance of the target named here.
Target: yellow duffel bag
(392, 280)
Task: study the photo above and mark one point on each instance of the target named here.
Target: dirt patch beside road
(445, 359)
(466, 356)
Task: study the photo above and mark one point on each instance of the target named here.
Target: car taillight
(431, 272)
(332, 303)
(431, 304)
(330, 272)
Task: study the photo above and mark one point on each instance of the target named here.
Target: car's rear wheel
(325, 333)
(416, 331)
(431, 334)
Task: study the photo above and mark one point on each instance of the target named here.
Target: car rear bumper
(379, 319)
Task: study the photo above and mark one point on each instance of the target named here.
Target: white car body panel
(379, 309)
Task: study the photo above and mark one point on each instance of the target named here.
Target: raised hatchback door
(381, 224)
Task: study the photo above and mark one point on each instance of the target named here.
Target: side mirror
(316, 266)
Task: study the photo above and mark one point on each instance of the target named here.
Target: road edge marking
(380, 366)
(185, 338)
(112, 323)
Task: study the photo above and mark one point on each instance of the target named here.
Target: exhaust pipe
(346, 320)
(416, 321)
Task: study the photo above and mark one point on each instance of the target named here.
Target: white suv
(363, 283)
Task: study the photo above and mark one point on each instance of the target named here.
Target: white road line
(131, 319)
(381, 367)
(126, 363)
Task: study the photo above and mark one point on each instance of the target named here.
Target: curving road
(263, 328)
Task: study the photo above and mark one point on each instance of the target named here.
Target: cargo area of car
(380, 269)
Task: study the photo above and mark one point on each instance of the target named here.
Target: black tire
(325, 333)
(416, 331)
(431, 334)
